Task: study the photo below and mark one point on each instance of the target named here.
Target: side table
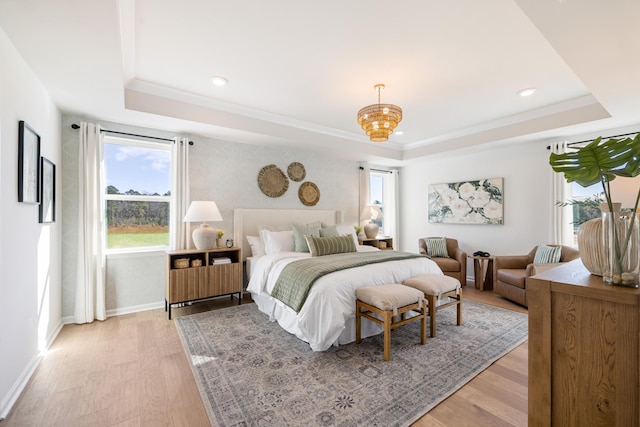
(483, 271)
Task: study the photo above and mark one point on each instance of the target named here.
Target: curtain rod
(75, 126)
(376, 170)
(590, 140)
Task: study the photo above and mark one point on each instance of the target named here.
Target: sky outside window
(144, 170)
(375, 185)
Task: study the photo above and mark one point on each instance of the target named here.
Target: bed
(327, 317)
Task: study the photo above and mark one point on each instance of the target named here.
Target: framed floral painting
(467, 202)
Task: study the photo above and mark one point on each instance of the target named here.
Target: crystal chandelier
(379, 120)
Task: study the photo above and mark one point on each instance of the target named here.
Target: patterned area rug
(252, 373)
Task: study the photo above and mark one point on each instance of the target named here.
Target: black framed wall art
(28, 164)
(48, 191)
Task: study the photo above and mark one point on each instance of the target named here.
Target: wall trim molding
(17, 388)
(68, 320)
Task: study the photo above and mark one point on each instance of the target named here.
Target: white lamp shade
(371, 212)
(625, 190)
(202, 211)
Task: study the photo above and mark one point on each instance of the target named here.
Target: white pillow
(257, 248)
(347, 229)
(277, 241)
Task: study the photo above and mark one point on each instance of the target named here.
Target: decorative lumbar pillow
(348, 230)
(547, 254)
(257, 249)
(437, 248)
(321, 246)
(302, 230)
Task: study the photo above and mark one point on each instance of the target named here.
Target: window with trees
(585, 204)
(378, 187)
(137, 176)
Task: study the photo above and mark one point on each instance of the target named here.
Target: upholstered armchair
(454, 266)
(510, 272)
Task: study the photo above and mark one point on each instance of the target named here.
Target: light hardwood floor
(131, 370)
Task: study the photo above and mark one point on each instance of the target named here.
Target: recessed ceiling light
(526, 92)
(399, 132)
(219, 81)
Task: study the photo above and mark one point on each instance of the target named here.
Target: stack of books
(220, 260)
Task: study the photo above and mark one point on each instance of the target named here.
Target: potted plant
(359, 234)
(220, 233)
(602, 161)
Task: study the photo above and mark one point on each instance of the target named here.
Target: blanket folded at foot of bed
(296, 279)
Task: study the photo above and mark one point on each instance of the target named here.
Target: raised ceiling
(298, 71)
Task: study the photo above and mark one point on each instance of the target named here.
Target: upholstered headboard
(246, 221)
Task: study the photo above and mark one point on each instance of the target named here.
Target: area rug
(250, 372)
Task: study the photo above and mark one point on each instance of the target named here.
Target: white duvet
(328, 315)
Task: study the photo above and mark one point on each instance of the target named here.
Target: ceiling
(299, 71)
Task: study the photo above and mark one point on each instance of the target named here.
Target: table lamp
(204, 237)
(371, 213)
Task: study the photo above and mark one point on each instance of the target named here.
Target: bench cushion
(389, 297)
(433, 284)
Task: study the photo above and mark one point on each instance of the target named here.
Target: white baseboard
(17, 388)
(135, 309)
(68, 320)
(19, 385)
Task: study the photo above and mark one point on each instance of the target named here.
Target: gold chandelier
(379, 120)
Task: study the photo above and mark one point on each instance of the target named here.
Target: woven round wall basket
(296, 171)
(308, 193)
(272, 181)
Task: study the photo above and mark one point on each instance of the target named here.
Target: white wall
(223, 171)
(30, 284)
(527, 198)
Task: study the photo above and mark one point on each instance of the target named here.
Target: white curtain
(365, 192)
(562, 226)
(180, 238)
(90, 286)
(391, 203)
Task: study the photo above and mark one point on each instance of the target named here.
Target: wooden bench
(389, 302)
(440, 291)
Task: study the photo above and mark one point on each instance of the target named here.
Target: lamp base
(204, 237)
(371, 230)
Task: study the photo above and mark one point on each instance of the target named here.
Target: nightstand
(380, 243)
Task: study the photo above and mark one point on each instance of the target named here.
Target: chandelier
(379, 120)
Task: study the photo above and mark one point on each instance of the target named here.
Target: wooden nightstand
(194, 275)
(381, 243)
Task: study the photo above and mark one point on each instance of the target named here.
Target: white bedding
(328, 315)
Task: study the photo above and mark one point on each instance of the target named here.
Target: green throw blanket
(297, 277)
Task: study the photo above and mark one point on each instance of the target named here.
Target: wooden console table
(584, 350)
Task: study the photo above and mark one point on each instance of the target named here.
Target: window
(382, 194)
(585, 203)
(137, 176)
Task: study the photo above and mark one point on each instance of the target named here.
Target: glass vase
(620, 240)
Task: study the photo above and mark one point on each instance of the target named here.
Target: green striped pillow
(437, 248)
(320, 246)
(547, 254)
